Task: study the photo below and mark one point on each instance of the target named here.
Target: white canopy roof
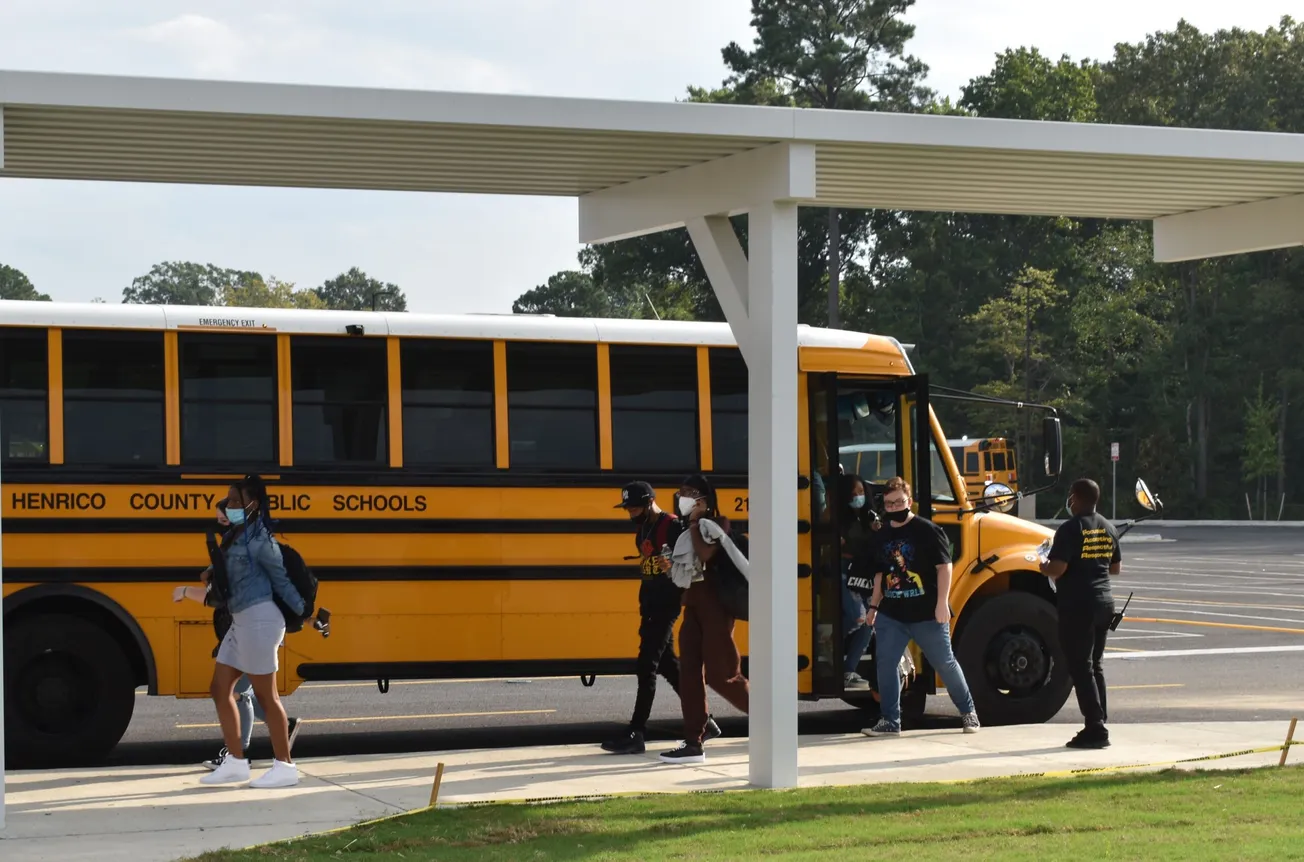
(91, 127)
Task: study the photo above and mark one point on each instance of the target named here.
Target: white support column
(772, 492)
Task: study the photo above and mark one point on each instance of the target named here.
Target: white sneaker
(854, 682)
(281, 774)
(231, 770)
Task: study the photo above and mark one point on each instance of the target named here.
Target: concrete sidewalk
(163, 813)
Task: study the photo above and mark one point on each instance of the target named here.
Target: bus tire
(1008, 647)
(69, 691)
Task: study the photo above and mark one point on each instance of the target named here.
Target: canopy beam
(1256, 226)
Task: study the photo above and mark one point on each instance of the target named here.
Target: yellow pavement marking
(1241, 626)
(396, 717)
(1121, 649)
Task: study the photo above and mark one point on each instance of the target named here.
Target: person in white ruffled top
(704, 557)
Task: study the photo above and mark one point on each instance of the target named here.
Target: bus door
(849, 418)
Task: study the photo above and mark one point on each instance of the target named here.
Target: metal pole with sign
(1113, 494)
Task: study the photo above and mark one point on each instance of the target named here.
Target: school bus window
(448, 403)
(728, 410)
(228, 399)
(552, 406)
(339, 387)
(113, 397)
(998, 461)
(971, 463)
(24, 393)
(654, 408)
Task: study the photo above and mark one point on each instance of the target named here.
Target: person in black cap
(659, 601)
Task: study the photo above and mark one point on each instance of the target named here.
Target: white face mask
(686, 506)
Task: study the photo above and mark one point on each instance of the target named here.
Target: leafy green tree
(356, 291)
(1259, 460)
(184, 283)
(15, 285)
(831, 54)
(272, 293)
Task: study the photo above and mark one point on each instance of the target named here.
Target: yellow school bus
(985, 461)
(449, 479)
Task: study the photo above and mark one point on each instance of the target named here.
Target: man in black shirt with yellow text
(1083, 556)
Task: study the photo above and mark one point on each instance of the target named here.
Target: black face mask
(643, 518)
(900, 516)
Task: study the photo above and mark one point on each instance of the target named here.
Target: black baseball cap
(636, 494)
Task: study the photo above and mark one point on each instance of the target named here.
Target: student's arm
(1067, 543)
(269, 558)
(704, 550)
(1116, 562)
(945, 571)
(875, 600)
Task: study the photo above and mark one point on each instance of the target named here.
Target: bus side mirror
(1054, 445)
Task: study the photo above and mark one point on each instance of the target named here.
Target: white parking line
(1194, 612)
(1176, 653)
(1148, 634)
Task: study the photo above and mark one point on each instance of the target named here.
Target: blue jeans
(249, 708)
(855, 635)
(934, 639)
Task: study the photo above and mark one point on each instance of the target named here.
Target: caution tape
(651, 794)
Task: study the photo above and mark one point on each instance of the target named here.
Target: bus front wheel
(1008, 647)
(69, 691)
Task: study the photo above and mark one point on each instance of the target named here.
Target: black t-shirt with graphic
(1088, 544)
(908, 557)
(658, 593)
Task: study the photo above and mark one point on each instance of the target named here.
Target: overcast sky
(450, 253)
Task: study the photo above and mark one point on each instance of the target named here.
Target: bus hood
(1003, 534)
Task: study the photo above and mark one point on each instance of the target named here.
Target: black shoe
(212, 765)
(630, 742)
(294, 725)
(1090, 738)
(685, 753)
(713, 731)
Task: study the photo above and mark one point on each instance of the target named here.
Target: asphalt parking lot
(1215, 631)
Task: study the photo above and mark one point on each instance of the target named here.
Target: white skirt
(251, 644)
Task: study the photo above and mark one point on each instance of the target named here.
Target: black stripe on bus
(378, 478)
(342, 526)
(184, 575)
(519, 668)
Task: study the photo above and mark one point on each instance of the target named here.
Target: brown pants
(707, 655)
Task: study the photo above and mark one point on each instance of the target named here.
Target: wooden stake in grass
(1290, 739)
(439, 776)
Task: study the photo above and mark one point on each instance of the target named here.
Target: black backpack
(305, 584)
(730, 585)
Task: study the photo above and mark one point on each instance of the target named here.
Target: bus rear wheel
(1008, 647)
(69, 691)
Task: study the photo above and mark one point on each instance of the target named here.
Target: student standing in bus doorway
(707, 652)
(659, 602)
(256, 572)
(912, 557)
(858, 525)
(1083, 556)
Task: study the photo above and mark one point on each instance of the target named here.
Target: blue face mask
(235, 516)
(858, 501)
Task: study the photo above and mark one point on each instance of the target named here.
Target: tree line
(188, 283)
(1190, 367)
